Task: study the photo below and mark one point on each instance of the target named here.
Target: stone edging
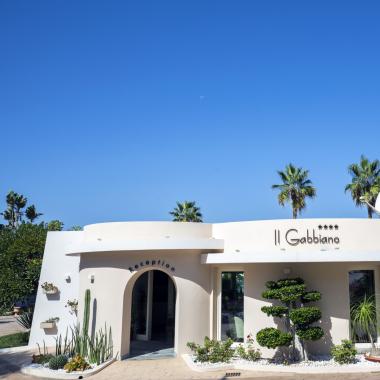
(43, 373)
(332, 369)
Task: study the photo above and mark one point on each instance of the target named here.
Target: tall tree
(295, 188)
(365, 183)
(186, 212)
(32, 214)
(55, 225)
(15, 203)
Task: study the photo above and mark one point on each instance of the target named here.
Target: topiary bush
(213, 351)
(305, 315)
(344, 353)
(273, 338)
(275, 311)
(292, 293)
(57, 362)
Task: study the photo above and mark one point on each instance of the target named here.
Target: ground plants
(212, 351)
(344, 353)
(298, 318)
(57, 362)
(248, 352)
(42, 357)
(77, 363)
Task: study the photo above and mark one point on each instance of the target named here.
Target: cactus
(86, 314)
(57, 362)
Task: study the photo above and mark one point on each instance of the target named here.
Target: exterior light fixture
(67, 277)
(287, 270)
(91, 277)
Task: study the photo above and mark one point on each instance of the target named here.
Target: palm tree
(186, 212)
(15, 204)
(31, 213)
(295, 188)
(365, 184)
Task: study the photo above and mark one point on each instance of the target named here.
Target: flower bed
(319, 365)
(43, 371)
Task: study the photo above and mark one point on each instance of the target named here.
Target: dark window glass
(362, 286)
(233, 306)
(139, 305)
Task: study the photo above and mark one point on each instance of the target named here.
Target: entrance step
(159, 354)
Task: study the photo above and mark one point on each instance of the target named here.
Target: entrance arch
(152, 314)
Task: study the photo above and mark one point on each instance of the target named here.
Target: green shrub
(344, 353)
(41, 358)
(311, 296)
(213, 351)
(310, 333)
(248, 352)
(77, 363)
(25, 320)
(272, 338)
(57, 362)
(275, 311)
(285, 294)
(305, 315)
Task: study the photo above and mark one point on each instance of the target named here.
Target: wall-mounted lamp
(287, 270)
(91, 277)
(67, 277)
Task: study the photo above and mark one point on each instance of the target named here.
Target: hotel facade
(159, 285)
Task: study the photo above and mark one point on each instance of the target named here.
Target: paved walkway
(9, 325)
(173, 369)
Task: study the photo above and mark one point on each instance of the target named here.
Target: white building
(163, 284)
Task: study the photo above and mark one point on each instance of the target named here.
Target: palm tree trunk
(294, 213)
(369, 212)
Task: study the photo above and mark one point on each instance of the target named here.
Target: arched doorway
(153, 315)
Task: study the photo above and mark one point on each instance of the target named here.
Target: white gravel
(325, 362)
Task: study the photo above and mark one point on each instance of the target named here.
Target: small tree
(298, 318)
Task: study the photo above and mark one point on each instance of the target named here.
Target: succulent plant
(57, 362)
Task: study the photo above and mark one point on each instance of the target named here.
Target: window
(232, 310)
(362, 286)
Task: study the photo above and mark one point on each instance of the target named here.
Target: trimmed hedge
(275, 311)
(310, 333)
(286, 293)
(272, 338)
(305, 315)
(311, 296)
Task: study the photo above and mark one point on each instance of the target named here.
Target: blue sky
(115, 110)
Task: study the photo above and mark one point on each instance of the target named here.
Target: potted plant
(49, 323)
(49, 288)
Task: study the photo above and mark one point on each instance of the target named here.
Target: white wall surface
(55, 266)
